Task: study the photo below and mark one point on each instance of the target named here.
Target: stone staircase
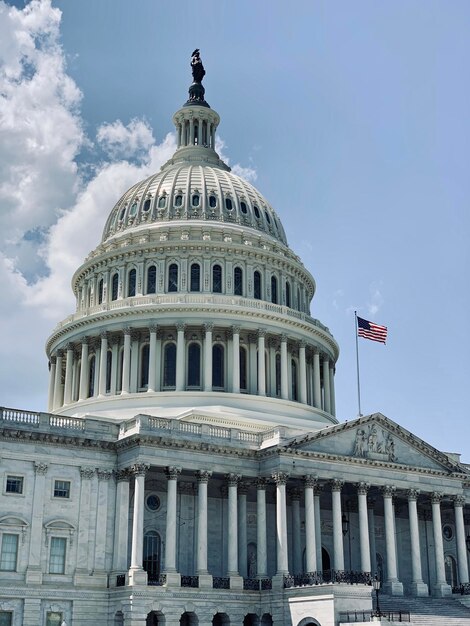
(429, 611)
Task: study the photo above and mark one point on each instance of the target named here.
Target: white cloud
(247, 173)
(125, 141)
(376, 299)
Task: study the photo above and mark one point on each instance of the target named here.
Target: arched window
(147, 205)
(243, 370)
(144, 366)
(257, 285)
(178, 200)
(278, 374)
(91, 376)
(288, 294)
(131, 283)
(100, 291)
(257, 213)
(195, 199)
(212, 202)
(218, 366)
(195, 284)
(228, 204)
(173, 277)
(169, 365)
(115, 287)
(274, 289)
(161, 202)
(109, 362)
(194, 365)
(152, 279)
(238, 281)
(243, 207)
(152, 555)
(294, 379)
(299, 305)
(217, 279)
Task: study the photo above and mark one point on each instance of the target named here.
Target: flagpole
(357, 367)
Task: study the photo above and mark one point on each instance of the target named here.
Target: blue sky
(353, 116)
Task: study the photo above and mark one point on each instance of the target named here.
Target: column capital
(87, 473)
(172, 473)
(295, 494)
(153, 328)
(70, 347)
(209, 327)
(59, 353)
(122, 474)
(261, 332)
(302, 343)
(458, 500)
(283, 338)
(436, 497)
(53, 360)
(113, 340)
(280, 478)
(180, 326)
(104, 334)
(252, 338)
(236, 330)
(412, 494)
(261, 483)
(139, 469)
(243, 487)
(127, 330)
(388, 491)
(85, 340)
(40, 468)
(203, 476)
(317, 489)
(233, 479)
(135, 334)
(336, 484)
(371, 503)
(310, 481)
(103, 474)
(362, 488)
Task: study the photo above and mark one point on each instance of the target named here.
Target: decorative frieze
(87, 473)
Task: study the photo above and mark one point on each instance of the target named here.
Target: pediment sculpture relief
(370, 444)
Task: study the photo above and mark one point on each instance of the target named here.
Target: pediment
(376, 438)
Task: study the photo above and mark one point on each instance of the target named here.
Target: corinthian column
(68, 374)
(316, 380)
(170, 553)
(326, 385)
(152, 359)
(58, 390)
(441, 588)
(310, 539)
(284, 369)
(261, 363)
(126, 362)
(33, 572)
(362, 489)
(121, 521)
(103, 363)
(180, 360)
(296, 547)
(137, 576)
(392, 585)
(84, 371)
(208, 357)
(262, 554)
(236, 359)
(418, 587)
(459, 503)
(338, 550)
(302, 373)
(50, 402)
(201, 566)
(233, 480)
(280, 478)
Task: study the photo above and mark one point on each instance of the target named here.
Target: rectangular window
(57, 560)
(53, 618)
(62, 489)
(6, 618)
(14, 484)
(9, 553)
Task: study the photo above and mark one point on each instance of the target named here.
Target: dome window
(273, 289)
(122, 213)
(179, 200)
(173, 277)
(114, 287)
(133, 210)
(238, 281)
(257, 285)
(131, 284)
(144, 366)
(195, 199)
(161, 202)
(243, 207)
(147, 205)
(194, 365)
(212, 201)
(268, 219)
(218, 359)
(195, 284)
(217, 279)
(256, 210)
(100, 291)
(228, 204)
(169, 365)
(288, 295)
(152, 279)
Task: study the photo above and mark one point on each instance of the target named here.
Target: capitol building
(190, 469)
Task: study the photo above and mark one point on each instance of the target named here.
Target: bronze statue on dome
(197, 67)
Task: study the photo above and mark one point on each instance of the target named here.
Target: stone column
(58, 391)
(101, 523)
(233, 480)
(362, 489)
(262, 553)
(152, 358)
(392, 585)
(418, 587)
(310, 539)
(440, 588)
(82, 572)
(332, 390)
(253, 370)
(371, 522)
(180, 360)
(158, 365)
(318, 542)
(84, 372)
(171, 522)
(137, 576)
(242, 530)
(316, 380)
(68, 374)
(126, 362)
(272, 367)
(236, 359)
(121, 522)
(114, 341)
(135, 356)
(280, 478)
(33, 571)
(103, 363)
(338, 550)
(296, 547)
(284, 369)
(326, 385)
(50, 401)
(459, 503)
(208, 357)
(201, 565)
(261, 362)
(302, 373)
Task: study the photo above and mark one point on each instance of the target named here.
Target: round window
(153, 502)
(447, 532)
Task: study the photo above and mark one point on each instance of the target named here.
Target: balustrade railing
(327, 576)
(21, 417)
(73, 423)
(366, 616)
(463, 590)
(220, 582)
(156, 580)
(251, 584)
(190, 581)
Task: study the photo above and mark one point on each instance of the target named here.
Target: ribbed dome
(193, 192)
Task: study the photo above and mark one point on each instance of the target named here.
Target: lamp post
(376, 586)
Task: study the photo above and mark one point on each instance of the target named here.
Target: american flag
(372, 331)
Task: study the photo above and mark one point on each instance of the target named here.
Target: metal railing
(220, 582)
(365, 616)
(190, 581)
(327, 576)
(463, 589)
(156, 580)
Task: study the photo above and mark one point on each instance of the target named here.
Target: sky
(351, 118)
